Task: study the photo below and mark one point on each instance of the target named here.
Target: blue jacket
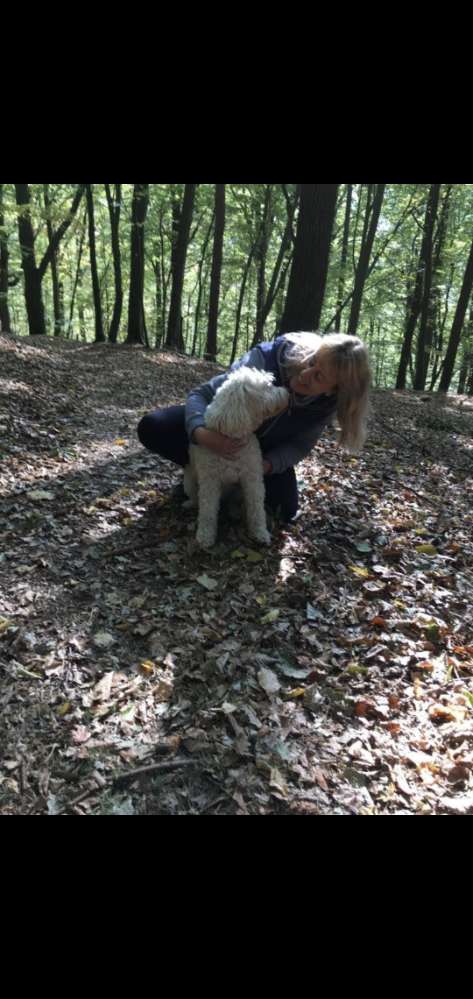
(287, 438)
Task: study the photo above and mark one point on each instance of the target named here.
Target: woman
(325, 375)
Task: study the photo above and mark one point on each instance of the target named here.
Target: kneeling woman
(325, 375)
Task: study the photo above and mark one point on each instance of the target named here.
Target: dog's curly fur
(242, 403)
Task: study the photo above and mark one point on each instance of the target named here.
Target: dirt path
(329, 674)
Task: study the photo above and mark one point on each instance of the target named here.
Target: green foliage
(255, 222)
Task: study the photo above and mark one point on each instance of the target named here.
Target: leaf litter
(329, 674)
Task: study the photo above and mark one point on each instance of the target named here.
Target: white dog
(245, 400)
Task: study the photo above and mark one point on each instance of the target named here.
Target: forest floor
(330, 673)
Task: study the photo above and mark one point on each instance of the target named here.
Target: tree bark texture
(114, 205)
(369, 232)
(4, 311)
(136, 321)
(425, 325)
(306, 287)
(99, 333)
(457, 325)
(215, 274)
(32, 277)
(174, 338)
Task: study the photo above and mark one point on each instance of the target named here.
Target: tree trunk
(415, 304)
(58, 315)
(59, 233)
(114, 205)
(200, 284)
(99, 333)
(4, 311)
(466, 371)
(174, 334)
(280, 267)
(158, 297)
(261, 252)
(423, 348)
(240, 303)
(136, 325)
(33, 299)
(435, 326)
(306, 288)
(372, 214)
(343, 260)
(211, 346)
(77, 280)
(457, 326)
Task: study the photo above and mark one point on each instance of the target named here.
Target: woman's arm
(291, 452)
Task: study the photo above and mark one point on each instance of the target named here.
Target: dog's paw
(263, 537)
(205, 540)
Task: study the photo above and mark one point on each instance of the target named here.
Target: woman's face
(317, 378)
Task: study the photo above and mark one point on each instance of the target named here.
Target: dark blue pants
(163, 432)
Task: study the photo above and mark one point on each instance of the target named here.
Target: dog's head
(246, 399)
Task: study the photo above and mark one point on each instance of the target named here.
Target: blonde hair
(347, 357)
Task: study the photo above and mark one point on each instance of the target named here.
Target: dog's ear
(236, 416)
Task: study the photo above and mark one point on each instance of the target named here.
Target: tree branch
(60, 232)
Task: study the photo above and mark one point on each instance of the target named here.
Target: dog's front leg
(209, 502)
(190, 487)
(252, 484)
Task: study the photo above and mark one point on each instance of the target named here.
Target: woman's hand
(225, 447)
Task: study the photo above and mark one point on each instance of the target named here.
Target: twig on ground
(153, 769)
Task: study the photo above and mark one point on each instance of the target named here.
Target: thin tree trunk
(343, 260)
(280, 268)
(373, 213)
(33, 298)
(211, 345)
(261, 251)
(200, 284)
(240, 303)
(114, 206)
(77, 281)
(59, 233)
(158, 296)
(457, 326)
(174, 331)
(99, 333)
(306, 288)
(467, 364)
(4, 311)
(423, 348)
(136, 325)
(415, 304)
(58, 316)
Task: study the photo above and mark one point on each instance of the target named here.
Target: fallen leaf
(103, 688)
(40, 494)
(80, 734)
(253, 556)
(103, 639)
(63, 709)
(364, 708)
(208, 582)
(363, 573)
(268, 681)
(458, 773)
(447, 713)
(147, 667)
(272, 615)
